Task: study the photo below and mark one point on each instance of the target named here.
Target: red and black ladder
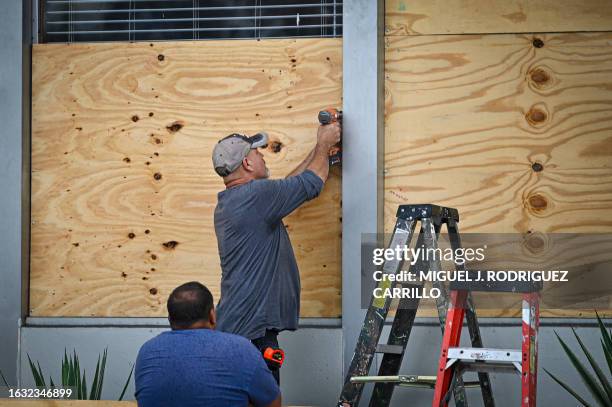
(455, 360)
(431, 218)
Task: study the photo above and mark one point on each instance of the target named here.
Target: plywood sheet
(518, 138)
(422, 17)
(121, 168)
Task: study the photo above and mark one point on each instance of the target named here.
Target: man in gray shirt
(260, 282)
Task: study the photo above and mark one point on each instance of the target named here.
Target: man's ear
(212, 318)
(246, 164)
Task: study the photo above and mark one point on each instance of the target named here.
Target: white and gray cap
(231, 150)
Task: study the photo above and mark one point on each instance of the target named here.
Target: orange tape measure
(274, 356)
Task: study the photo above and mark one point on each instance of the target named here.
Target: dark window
(150, 20)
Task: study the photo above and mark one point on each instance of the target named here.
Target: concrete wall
(15, 174)
(310, 374)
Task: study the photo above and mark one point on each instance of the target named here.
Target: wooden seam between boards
(123, 189)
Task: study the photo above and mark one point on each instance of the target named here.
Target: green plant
(72, 376)
(4, 379)
(598, 384)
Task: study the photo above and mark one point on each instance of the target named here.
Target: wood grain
(66, 403)
(121, 147)
(422, 17)
(518, 138)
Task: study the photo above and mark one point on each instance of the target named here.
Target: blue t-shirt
(202, 367)
(260, 280)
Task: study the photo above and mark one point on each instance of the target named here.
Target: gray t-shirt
(260, 281)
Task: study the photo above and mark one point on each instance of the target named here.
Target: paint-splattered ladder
(431, 218)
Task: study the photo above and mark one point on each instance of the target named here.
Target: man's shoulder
(262, 184)
(237, 342)
(156, 342)
(229, 338)
(172, 338)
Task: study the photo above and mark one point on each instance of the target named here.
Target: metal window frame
(46, 33)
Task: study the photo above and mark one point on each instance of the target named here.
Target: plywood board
(121, 147)
(518, 138)
(422, 17)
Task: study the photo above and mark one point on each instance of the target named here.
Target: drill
(327, 116)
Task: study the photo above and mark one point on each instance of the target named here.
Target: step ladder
(431, 218)
(455, 360)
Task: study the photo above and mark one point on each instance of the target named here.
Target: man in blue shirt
(260, 281)
(194, 365)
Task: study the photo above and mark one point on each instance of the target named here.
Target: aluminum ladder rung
(390, 349)
(406, 381)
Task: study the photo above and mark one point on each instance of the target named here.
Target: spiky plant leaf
(65, 369)
(126, 384)
(34, 371)
(606, 342)
(94, 384)
(38, 380)
(607, 354)
(102, 370)
(42, 377)
(84, 386)
(71, 376)
(605, 334)
(568, 389)
(598, 372)
(4, 379)
(586, 376)
(77, 372)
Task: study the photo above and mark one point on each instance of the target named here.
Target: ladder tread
(484, 354)
(390, 349)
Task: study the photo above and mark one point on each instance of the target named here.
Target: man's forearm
(302, 166)
(320, 161)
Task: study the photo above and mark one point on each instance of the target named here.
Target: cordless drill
(327, 116)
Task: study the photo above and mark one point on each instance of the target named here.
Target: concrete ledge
(72, 322)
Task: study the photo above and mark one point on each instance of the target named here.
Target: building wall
(312, 373)
(313, 377)
(14, 182)
(309, 376)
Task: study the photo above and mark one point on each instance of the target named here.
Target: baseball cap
(231, 150)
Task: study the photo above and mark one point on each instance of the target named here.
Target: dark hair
(189, 303)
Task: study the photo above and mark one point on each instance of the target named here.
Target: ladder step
(410, 212)
(392, 349)
(489, 367)
(406, 381)
(485, 354)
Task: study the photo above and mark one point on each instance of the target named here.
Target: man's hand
(328, 135)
